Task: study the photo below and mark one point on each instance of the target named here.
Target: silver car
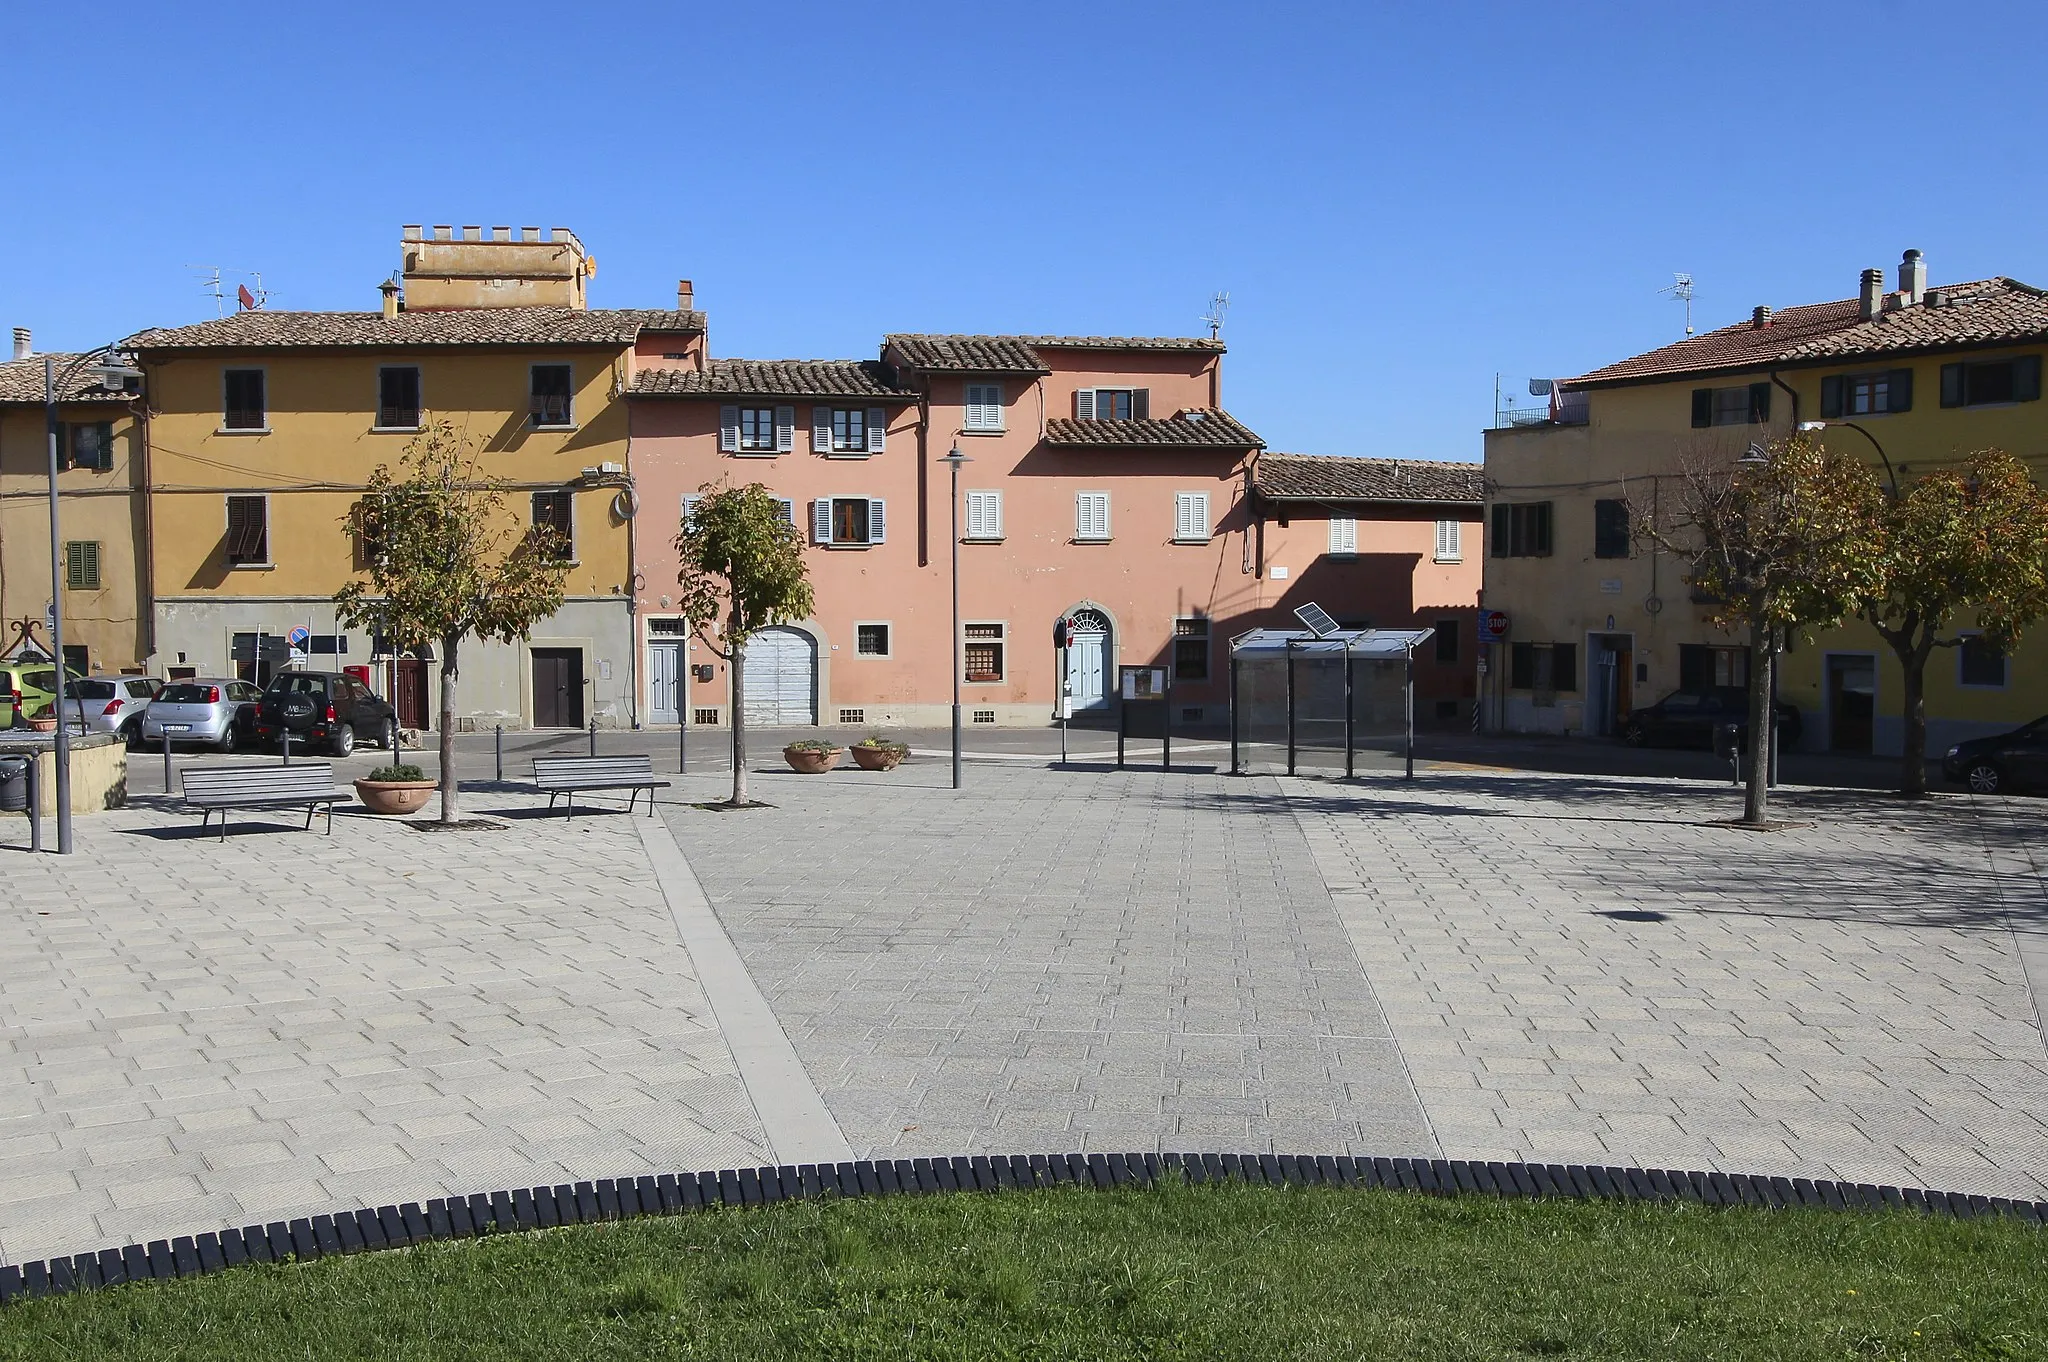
(108, 704)
(214, 710)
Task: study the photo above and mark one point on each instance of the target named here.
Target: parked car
(108, 704)
(330, 709)
(1689, 718)
(2003, 762)
(216, 710)
(27, 686)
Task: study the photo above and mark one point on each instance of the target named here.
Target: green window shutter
(2026, 378)
(1503, 520)
(1542, 545)
(1759, 402)
(1703, 406)
(1831, 396)
(1901, 398)
(1951, 385)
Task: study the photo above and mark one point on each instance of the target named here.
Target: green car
(26, 687)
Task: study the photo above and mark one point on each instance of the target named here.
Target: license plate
(177, 728)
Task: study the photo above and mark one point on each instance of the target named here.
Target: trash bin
(14, 784)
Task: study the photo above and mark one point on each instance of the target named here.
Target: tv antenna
(1219, 303)
(1681, 289)
(248, 299)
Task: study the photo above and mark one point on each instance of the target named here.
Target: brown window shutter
(1951, 385)
(1141, 404)
(1703, 406)
(1759, 402)
(1831, 400)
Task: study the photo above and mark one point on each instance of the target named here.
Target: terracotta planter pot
(395, 796)
(876, 758)
(807, 762)
(43, 725)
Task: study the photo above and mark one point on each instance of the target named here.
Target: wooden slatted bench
(307, 785)
(558, 776)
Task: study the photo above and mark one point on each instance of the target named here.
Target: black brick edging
(530, 1208)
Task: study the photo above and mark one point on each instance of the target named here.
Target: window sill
(837, 545)
(538, 426)
(846, 453)
(252, 567)
(756, 453)
(1447, 560)
(981, 539)
(396, 430)
(1983, 685)
(982, 681)
(985, 430)
(1207, 538)
(243, 430)
(1351, 557)
(1077, 539)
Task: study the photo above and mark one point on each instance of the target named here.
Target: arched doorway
(1089, 649)
(782, 678)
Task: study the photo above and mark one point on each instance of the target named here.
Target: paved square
(196, 1033)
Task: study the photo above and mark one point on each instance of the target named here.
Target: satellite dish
(245, 298)
(1317, 619)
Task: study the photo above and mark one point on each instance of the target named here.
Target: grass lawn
(1173, 1272)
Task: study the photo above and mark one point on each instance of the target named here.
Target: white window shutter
(1091, 515)
(1080, 515)
(821, 430)
(1200, 509)
(788, 506)
(995, 515)
(1190, 515)
(728, 430)
(1084, 403)
(974, 530)
(821, 520)
(878, 429)
(1343, 534)
(785, 429)
(1447, 541)
(690, 500)
(877, 523)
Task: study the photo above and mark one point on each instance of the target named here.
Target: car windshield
(184, 693)
(90, 690)
(300, 685)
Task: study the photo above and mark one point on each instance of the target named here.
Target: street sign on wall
(1493, 625)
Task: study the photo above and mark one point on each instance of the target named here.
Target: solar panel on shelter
(1317, 619)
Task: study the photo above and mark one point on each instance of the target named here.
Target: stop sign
(1493, 625)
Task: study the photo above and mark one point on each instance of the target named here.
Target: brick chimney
(1872, 301)
(1760, 318)
(21, 343)
(1913, 278)
(686, 296)
(389, 289)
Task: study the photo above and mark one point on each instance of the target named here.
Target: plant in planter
(395, 789)
(876, 753)
(812, 756)
(42, 719)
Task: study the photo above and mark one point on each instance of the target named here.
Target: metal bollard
(167, 763)
(683, 744)
(35, 804)
(593, 735)
(500, 743)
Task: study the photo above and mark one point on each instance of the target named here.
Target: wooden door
(409, 696)
(557, 688)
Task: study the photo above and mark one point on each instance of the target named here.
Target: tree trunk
(1762, 655)
(451, 789)
(1913, 699)
(737, 669)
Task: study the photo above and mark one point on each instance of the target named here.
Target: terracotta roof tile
(21, 380)
(1195, 428)
(775, 378)
(1331, 477)
(264, 330)
(1019, 354)
(1985, 312)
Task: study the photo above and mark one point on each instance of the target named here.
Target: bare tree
(742, 571)
(447, 560)
(1971, 539)
(1785, 537)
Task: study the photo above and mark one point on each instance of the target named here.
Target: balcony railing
(1570, 411)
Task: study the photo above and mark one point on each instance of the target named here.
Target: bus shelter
(1319, 695)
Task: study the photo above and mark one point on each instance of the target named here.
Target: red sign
(1493, 625)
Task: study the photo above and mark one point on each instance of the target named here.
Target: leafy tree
(742, 571)
(448, 560)
(1788, 537)
(1970, 539)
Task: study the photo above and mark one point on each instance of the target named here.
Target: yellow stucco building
(102, 516)
(1910, 378)
(264, 428)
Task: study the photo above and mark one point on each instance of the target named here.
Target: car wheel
(385, 737)
(1984, 778)
(131, 737)
(1635, 735)
(344, 740)
(229, 740)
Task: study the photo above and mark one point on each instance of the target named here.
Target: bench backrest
(579, 768)
(301, 779)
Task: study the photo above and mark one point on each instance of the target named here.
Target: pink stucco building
(1106, 485)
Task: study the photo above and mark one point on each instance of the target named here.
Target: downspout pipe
(1791, 393)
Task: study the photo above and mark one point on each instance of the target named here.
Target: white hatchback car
(215, 710)
(108, 704)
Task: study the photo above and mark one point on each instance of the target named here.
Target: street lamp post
(1891, 479)
(112, 374)
(953, 461)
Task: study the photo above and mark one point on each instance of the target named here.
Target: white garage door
(782, 670)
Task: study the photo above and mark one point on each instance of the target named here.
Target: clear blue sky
(1400, 203)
